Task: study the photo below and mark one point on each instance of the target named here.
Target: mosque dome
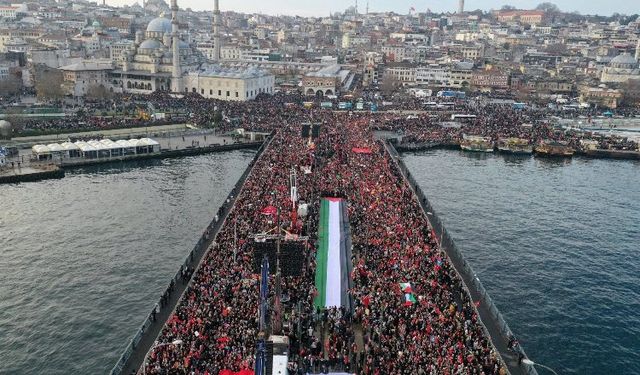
(96, 24)
(624, 61)
(148, 46)
(183, 45)
(159, 25)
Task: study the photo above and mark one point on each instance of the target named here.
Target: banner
(333, 265)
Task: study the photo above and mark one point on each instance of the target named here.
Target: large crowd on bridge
(217, 318)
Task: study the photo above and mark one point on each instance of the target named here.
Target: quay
(21, 168)
(30, 173)
(594, 154)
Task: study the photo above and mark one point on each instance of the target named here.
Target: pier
(22, 168)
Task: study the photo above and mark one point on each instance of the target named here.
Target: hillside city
(297, 150)
(80, 49)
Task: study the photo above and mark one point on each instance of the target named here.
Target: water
(85, 258)
(555, 244)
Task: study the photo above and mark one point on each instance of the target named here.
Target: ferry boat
(516, 146)
(554, 148)
(476, 143)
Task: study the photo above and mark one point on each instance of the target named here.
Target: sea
(555, 243)
(84, 259)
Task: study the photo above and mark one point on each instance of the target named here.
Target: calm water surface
(556, 245)
(85, 258)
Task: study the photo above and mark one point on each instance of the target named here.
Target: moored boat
(554, 148)
(516, 146)
(476, 143)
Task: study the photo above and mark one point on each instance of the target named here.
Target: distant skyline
(323, 8)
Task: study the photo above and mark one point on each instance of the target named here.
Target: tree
(48, 82)
(630, 93)
(548, 7)
(10, 86)
(217, 118)
(98, 92)
(388, 85)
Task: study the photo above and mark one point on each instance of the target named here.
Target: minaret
(356, 7)
(638, 50)
(460, 6)
(216, 30)
(176, 74)
(367, 9)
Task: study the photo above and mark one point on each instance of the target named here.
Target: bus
(451, 94)
(462, 117)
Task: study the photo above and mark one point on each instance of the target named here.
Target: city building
(489, 80)
(621, 69)
(230, 84)
(528, 17)
(80, 78)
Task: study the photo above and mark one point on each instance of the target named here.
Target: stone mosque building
(161, 60)
(622, 68)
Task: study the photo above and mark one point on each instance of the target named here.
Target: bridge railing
(201, 245)
(471, 283)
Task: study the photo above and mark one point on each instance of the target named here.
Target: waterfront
(85, 258)
(554, 243)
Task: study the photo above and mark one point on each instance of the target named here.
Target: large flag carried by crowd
(334, 255)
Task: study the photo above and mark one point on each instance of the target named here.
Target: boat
(476, 143)
(515, 146)
(554, 148)
(613, 154)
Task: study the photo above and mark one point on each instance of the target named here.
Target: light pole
(529, 362)
(144, 363)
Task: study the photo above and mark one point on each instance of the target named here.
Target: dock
(30, 173)
(21, 168)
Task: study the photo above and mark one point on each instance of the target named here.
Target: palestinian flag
(409, 297)
(333, 263)
(405, 287)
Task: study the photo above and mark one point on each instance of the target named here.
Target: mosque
(622, 68)
(161, 60)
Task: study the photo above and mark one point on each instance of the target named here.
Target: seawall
(495, 326)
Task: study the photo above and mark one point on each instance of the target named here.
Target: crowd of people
(217, 319)
(496, 122)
